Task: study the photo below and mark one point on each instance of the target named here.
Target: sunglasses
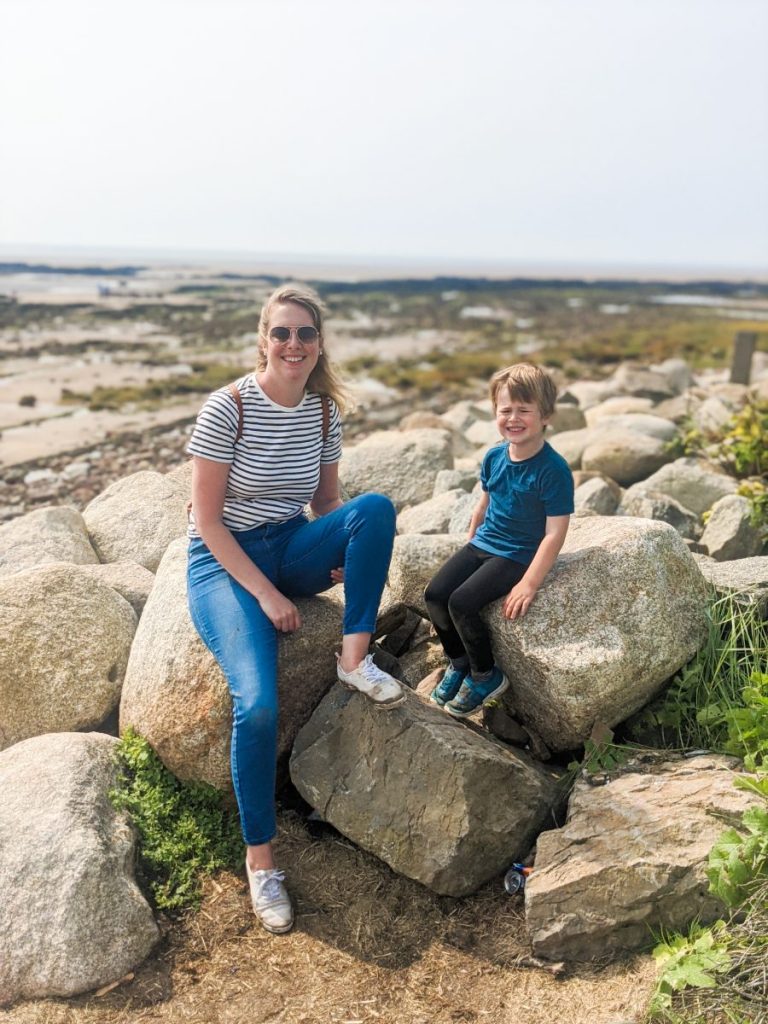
(306, 335)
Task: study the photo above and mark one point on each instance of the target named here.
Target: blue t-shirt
(521, 496)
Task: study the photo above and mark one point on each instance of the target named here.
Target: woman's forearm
(228, 553)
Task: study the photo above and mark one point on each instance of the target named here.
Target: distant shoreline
(94, 260)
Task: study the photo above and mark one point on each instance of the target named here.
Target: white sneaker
(368, 678)
(271, 902)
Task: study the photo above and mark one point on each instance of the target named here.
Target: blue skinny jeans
(297, 556)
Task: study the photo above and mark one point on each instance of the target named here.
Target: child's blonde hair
(526, 383)
(324, 379)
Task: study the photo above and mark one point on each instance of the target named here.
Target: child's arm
(519, 599)
(478, 515)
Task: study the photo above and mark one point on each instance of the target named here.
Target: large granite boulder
(631, 860)
(431, 516)
(415, 560)
(625, 456)
(131, 580)
(586, 393)
(677, 372)
(729, 532)
(642, 383)
(571, 444)
(454, 479)
(72, 917)
(653, 505)
(402, 465)
(566, 417)
(619, 405)
(136, 518)
(176, 696)
(43, 536)
(596, 495)
(620, 612)
(462, 514)
(63, 651)
(696, 484)
(483, 433)
(712, 416)
(637, 423)
(438, 801)
(463, 414)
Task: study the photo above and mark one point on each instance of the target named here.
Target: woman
(252, 550)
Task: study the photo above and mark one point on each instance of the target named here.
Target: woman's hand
(518, 600)
(282, 613)
(337, 575)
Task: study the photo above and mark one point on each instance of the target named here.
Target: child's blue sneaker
(473, 695)
(448, 686)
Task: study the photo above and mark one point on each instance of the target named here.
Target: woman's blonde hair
(325, 378)
(526, 383)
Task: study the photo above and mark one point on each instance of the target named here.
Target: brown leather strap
(234, 391)
(325, 402)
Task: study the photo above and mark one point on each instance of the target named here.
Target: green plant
(756, 492)
(748, 725)
(696, 710)
(184, 832)
(692, 960)
(602, 757)
(744, 448)
(738, 862)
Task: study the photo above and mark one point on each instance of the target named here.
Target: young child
(515, 534)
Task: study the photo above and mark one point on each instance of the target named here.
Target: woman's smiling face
(292, 359)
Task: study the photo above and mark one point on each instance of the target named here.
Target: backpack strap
(234, 391)
(326, 407)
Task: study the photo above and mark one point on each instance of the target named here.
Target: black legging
(469, 581)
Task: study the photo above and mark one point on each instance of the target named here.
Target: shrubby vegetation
(205, 377)
(719, 702)
(184, 830)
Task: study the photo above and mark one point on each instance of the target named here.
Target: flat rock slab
(440, 802)
(631, 859)
(71, 916)
(746, 579)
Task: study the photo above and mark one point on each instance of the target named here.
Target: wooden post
(741, 361)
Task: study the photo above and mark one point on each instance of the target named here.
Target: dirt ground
(368, 946)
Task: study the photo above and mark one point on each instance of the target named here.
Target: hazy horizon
(362, 266)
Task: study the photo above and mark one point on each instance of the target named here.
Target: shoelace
(270, 887)
(371, 670)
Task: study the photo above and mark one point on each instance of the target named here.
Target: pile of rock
(96, 619)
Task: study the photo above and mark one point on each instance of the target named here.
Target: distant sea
(368, 267)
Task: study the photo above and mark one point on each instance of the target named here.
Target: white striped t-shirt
(275, 466)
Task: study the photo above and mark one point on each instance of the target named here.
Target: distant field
(136, 344)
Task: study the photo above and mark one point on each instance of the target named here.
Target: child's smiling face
(520, 423)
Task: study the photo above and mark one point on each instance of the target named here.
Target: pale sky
(631, 131)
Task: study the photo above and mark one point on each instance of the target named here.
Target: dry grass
(369, 946)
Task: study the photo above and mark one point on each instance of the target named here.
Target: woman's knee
(375, 508)
(257, 717)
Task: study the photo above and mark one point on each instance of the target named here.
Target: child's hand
(518, 600)
(337, 575)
